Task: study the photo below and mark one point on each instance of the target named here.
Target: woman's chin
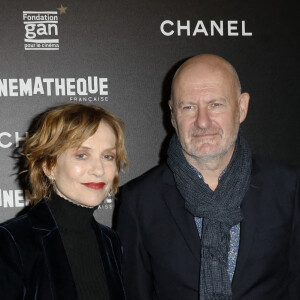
(92, 202)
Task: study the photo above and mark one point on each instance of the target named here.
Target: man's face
(207, 110)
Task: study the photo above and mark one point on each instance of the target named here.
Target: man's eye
(216, 106)
(187, 107)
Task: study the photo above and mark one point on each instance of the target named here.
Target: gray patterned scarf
(220, 210)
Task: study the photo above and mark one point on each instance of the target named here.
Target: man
(215, 221)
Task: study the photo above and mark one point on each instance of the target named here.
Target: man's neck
(211, 168)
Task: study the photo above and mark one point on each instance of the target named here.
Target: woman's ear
(47, 171)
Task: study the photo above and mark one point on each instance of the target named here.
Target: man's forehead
(199, 72)
(201, 79)
(202, 83)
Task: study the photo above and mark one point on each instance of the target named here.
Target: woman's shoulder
(106, 230)
(109, 233)
(14, 223)
(15, 229)
(21, 228)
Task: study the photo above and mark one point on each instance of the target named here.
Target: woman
(57, 250)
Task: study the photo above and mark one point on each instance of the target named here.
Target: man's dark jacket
(162, 245)
(34, 264)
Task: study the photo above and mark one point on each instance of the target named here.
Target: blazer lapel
(110, 265)
(61, 279)
(248, 226)
(184, 220)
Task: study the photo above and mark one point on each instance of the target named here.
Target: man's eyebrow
(218, 99)
(181, 102)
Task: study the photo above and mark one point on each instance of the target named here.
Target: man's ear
(172, 113)
(243, 106)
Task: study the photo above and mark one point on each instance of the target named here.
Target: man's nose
(202, 118)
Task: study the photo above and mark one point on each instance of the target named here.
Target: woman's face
(85, 175)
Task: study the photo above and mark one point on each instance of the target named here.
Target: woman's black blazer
(34, 264)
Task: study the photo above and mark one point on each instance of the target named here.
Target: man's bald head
(200, 65)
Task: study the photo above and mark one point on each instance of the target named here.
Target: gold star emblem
(62, 9)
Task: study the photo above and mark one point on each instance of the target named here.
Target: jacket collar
(41, 216)
(248, 225)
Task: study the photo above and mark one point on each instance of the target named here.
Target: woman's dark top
(80, 241)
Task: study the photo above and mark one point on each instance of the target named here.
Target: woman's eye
(81, 155)
(109, 157)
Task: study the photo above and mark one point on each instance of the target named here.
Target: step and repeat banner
(121, 55)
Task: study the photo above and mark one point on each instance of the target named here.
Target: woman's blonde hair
(63, 127)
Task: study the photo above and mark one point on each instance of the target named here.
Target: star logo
(62, 9)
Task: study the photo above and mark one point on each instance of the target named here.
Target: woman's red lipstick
(95, 185)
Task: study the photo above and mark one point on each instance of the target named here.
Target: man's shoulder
(275, 176)
(274, 168)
